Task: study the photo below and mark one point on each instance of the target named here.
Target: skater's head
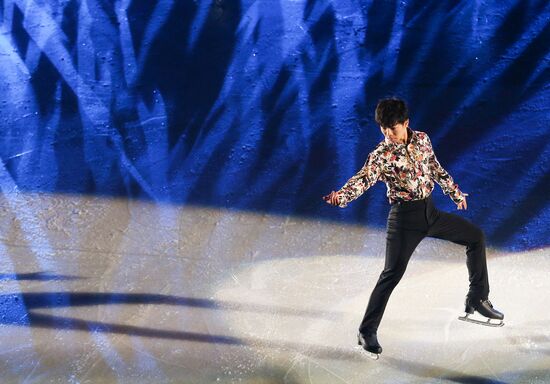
(390, 112)
(393, 117)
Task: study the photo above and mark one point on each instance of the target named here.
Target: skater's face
(397, 133)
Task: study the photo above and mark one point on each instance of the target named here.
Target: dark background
(267, 105)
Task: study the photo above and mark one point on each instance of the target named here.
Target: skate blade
(483, 321)
(370, 355)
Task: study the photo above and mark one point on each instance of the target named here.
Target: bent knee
(393, 274)
(478, 237)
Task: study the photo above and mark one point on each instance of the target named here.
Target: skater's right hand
(332, 198)
(463, 204)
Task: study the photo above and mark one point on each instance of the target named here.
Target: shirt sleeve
(364, 179)
(442, 177)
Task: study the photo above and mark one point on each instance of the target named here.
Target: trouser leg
(400, 245)
(455, 228)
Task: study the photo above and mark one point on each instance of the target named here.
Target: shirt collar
(410, 136)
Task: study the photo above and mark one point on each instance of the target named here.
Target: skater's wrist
(458, 196)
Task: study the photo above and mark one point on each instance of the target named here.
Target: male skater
(406, 162)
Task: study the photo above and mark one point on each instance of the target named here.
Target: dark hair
(390, 112)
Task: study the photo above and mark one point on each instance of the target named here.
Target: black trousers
(408, 223)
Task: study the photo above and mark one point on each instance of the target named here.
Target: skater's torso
(405, 168)
(408, 170)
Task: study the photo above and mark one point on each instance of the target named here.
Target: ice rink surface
(99, 290)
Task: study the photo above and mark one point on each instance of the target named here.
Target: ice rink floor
(99, 290)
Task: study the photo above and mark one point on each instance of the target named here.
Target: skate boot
(369, 343)
(482, 312)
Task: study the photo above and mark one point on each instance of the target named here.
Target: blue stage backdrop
(267, 105)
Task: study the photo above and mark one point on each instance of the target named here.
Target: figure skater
(406, 163)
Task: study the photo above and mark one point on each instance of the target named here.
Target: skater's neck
(402, 137)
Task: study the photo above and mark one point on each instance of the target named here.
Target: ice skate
(369, 344)
(483, 313)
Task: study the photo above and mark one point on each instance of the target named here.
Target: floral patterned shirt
(409, 171)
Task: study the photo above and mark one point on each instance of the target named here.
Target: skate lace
(489, 303)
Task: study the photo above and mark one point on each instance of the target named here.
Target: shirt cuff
(456, 195)
(342, 203)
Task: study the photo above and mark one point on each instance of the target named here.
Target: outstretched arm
(357, 185)
(442, 177)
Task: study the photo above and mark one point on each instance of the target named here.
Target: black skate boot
(482, 312)
(369, 342)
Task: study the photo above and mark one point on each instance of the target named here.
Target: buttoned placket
(407, 154)
(410, 159)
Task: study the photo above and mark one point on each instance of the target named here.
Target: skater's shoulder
(379, 148)
(421, 136)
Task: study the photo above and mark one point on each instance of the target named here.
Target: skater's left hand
(332, 198)
(463, 204)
